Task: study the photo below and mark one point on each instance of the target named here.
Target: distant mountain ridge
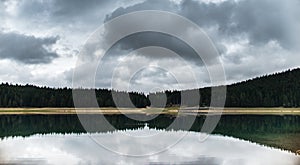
(275, 90)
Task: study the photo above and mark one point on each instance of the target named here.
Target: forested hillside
(32, 96)
(281, 89)
(276, 90)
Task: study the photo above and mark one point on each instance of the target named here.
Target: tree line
(275, 90)
(33, 96)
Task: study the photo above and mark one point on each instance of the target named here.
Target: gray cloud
(26, 49)
(208, 14)
(73, 8)
(66, 12)
(144, 39)
(146, 5)
(56, 9)
(254, 37)
(261, 21)
(267, 20)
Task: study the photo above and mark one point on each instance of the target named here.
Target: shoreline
(151, 111)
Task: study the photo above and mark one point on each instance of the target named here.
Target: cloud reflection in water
(81, 149)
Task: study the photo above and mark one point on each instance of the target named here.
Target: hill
(275, 90)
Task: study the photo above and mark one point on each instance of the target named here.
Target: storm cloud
(145, 39)
(253, 37)
(27, 49)
(260, 21)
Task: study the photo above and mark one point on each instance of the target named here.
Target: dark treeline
(33, 96)
(276, 90)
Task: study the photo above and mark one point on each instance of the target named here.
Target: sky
(40, 41)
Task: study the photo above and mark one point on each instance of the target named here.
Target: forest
(274, 90)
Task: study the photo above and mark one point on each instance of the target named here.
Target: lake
(237, 139)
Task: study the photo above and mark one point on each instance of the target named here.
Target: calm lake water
(57, 139)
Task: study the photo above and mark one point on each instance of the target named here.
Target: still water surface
(82, 149)
(61, 139)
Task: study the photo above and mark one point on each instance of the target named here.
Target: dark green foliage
(276, 90)
(32, 96)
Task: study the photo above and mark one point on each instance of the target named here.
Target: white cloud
(253, 37)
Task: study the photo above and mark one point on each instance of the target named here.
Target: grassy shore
(171, 111)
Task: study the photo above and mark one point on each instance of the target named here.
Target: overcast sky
(40, 41)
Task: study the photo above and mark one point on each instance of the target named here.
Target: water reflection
(272, 130)
(81, 149)
(25, 125)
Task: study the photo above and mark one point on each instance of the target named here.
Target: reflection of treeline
(233, 125)
(276, 90)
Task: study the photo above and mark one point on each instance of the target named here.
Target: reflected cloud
(82, 149)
